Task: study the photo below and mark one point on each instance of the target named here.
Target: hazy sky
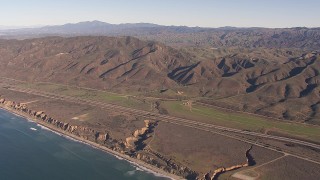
(207, 13)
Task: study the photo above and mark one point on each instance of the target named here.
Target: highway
(160, 117)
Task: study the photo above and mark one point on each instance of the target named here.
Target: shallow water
(28, 151)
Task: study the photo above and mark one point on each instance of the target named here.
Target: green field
(241, 120)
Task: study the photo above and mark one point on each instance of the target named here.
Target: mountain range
(182, 36)
(280, 83)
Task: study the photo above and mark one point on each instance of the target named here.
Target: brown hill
(100, 62)
(277, 82)
(287, 90)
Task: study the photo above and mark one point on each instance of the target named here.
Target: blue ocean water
(39, 154)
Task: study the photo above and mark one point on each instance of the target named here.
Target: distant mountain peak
(88, 23)
(101, 23)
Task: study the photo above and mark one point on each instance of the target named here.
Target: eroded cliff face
(217, 172)
(134, 146)
(81, 131)
(136, 141)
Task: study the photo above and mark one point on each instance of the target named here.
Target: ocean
(31, 152)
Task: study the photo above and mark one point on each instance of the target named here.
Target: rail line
(160, 117)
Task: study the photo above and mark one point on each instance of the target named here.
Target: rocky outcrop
(136, 141)
(102, 136)
(9, 103)
(170, 165)
(217, 172)
(2, 101)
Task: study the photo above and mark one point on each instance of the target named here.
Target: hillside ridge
(275, 82)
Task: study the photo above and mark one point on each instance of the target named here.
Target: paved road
(160, 117)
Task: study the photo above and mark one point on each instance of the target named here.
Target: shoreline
(134, 162)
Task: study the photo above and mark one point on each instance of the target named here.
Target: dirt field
(204, 151)
(287, 167)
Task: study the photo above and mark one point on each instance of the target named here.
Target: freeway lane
(160, 117)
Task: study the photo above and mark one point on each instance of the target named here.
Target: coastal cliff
(133, 147)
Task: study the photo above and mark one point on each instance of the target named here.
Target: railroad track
(160, 117)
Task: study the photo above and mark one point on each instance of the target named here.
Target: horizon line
(15, 27)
